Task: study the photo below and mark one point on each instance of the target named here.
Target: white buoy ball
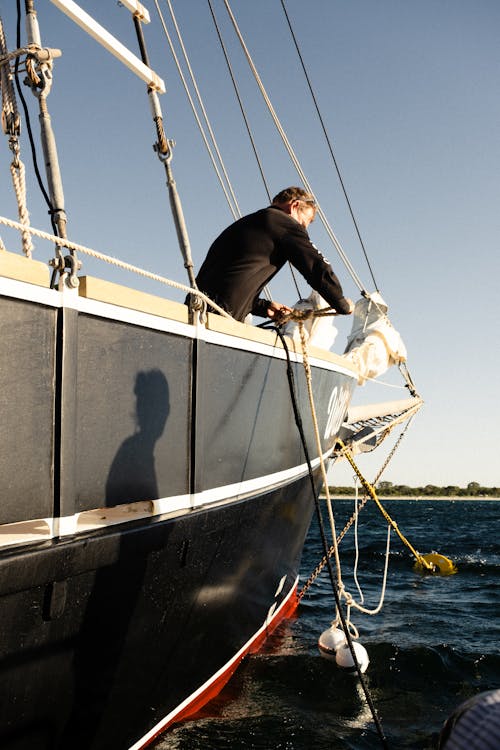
(344, 659)
(329, 641)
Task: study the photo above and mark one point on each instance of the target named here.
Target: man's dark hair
(290, 194)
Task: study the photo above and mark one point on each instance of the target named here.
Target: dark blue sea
(435, 643)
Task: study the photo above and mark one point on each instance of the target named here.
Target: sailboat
(155, 490)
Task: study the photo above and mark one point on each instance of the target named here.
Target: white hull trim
(100, 518)
(71, 300)
(234, 342)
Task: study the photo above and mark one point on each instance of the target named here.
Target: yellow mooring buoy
(433, 562)
(441, 565)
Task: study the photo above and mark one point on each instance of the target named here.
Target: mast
(39, 68)
(163, 148)
(142, 69)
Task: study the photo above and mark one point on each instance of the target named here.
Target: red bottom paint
(213, 689)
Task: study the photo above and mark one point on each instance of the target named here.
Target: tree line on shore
(388, 489)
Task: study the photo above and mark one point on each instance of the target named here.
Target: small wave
(478, 564)
(299, 701)
(418, 666)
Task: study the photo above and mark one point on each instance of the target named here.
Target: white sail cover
(320, 331)
(373, 344)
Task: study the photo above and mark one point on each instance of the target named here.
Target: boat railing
(20, 268)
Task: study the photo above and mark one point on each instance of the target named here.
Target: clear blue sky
(410, 93)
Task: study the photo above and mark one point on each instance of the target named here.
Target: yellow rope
(350, 602)
(370, 489)
(307, 369)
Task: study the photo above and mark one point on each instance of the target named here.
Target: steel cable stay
(217, 163)
(22, 51)
(240, 101)
(329, 144)
(11, 124)
(38, 67)
(338, 588)
(223, 178)
(60, 211)
(274, 116)
(350, 268)
(199, 96)
(335, 241)
(289, 148)
(291, 151)
(250, 135)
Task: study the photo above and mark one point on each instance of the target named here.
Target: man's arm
(274, 310)
(316, 270)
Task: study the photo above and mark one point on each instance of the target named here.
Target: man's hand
(277, 311)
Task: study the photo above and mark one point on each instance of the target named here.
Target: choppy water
(434, 644)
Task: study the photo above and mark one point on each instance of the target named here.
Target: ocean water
(435, 643)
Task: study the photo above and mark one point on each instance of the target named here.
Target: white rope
(8, 99)
(10, 120)
(19, 182)
(350, 602)
(356, 545)
(357, 605)
(62, 242)
(8, 56)
(388, 385)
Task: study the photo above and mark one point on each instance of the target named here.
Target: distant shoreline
(467, 498)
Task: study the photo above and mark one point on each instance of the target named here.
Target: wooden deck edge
(122, 296)
(20, 268)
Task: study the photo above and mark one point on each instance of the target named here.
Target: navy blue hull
(105, 635)
(154, 504)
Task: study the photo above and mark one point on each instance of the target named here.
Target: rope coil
(11, 124)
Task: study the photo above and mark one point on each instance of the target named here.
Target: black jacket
(251, 251)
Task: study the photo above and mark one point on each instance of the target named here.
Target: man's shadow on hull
(132, 475)
(112, 620)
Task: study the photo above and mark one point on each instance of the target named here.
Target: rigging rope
(227, 189)
(12, 127)
(325, 132)
(63, 242)
(336, 592)
(250, 135)
(31, 139)
(240, 102)
(291, 152)
(350, 602)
